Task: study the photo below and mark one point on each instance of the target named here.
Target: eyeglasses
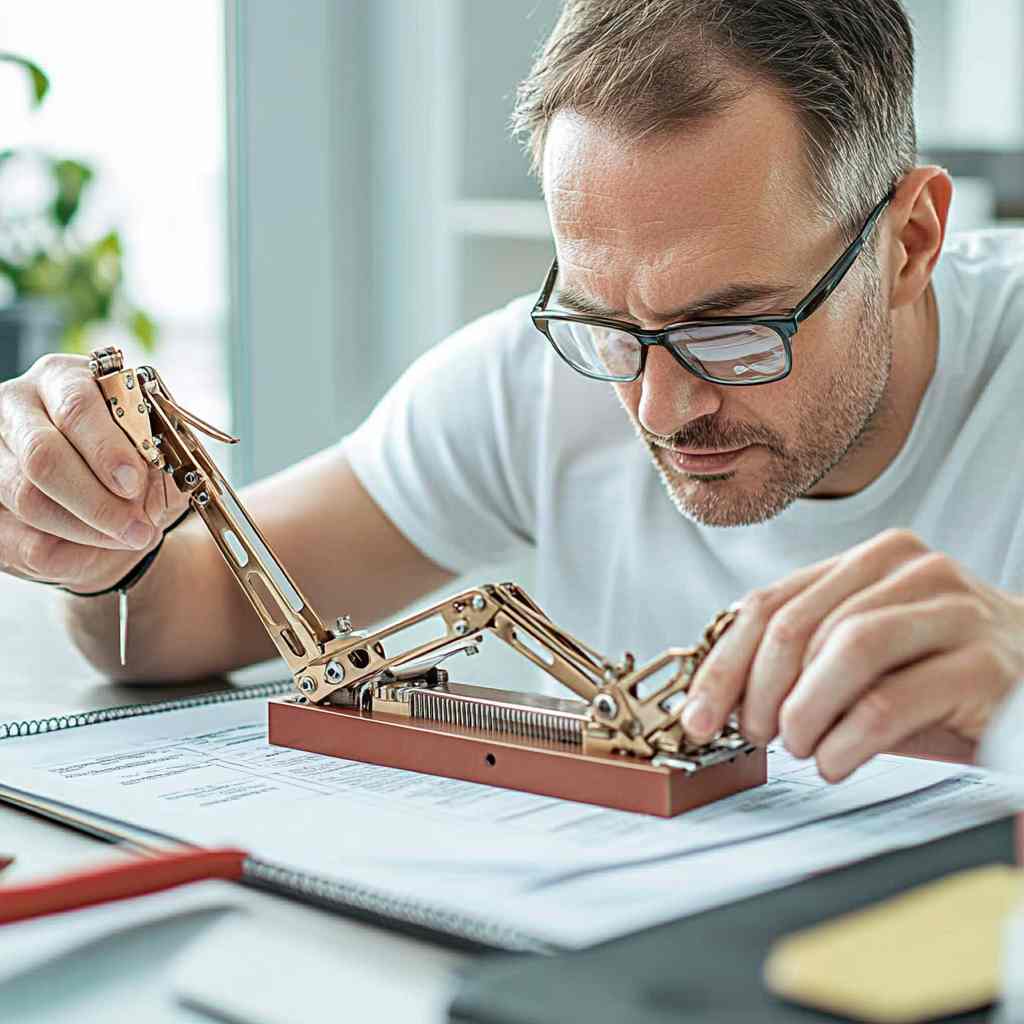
(731, 350)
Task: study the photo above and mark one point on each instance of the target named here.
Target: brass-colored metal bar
(501, 609)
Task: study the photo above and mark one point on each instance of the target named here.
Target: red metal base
(532, 766)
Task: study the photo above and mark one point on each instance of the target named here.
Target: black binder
(707, 967)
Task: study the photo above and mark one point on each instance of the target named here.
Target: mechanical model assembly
(618, 743)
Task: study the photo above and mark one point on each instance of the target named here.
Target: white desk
(43, 673)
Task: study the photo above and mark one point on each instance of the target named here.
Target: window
(137, 92)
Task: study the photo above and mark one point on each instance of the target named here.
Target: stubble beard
(837, 421)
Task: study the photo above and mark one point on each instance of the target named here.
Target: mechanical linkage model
(618, 744)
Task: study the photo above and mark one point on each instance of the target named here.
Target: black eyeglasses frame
(785, 326)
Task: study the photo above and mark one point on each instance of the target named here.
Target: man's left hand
(887, 647)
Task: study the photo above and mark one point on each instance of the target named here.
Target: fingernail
(697, 716)
(127, 479)
(138, 534)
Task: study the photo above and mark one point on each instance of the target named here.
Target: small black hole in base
(491, 759)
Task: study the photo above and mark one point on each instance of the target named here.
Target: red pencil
(117, 882)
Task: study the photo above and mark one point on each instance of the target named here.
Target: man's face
(646, 232)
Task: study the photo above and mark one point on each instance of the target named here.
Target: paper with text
(568, 873)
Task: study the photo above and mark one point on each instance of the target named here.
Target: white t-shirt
(490, 446)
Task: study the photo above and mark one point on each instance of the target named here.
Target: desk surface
(36, 650)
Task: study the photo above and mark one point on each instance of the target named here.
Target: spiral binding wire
(58, 723)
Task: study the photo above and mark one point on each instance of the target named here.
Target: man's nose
(671, 396)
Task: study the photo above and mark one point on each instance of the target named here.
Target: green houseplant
(62, 283)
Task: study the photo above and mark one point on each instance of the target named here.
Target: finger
(917, 579)
(904, 704)
(32, 554)
(722, 676)
(56, 468)
(19, 495)
(77, 408)
(861, 651)
(782, 653)
(161, 510)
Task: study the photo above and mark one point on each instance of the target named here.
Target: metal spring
(494, 718)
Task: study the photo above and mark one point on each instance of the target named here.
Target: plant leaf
(72, 177)
(37, 77)
(144, 329)
(10, 270)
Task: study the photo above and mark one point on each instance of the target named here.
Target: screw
(605, 706)
(145, 443)
(191, 478)
(342, 626)
(334, 673)
(120, 412)
(307, 685)
(157, 441)
(202, 499)
(129, 381)
(461, 627)
(142, 408)
(479, 603)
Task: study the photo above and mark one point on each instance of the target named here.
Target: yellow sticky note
(930, 952)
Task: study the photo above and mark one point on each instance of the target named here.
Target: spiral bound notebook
(76, 719)
(474, 864)
(364, 902)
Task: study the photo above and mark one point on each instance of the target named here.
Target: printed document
(530, 863)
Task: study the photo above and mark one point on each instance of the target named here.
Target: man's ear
(917, 225)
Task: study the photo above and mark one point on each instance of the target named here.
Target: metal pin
(122, 618)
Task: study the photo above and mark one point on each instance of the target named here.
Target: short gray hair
(651, 67)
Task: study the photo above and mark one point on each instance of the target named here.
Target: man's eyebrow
(719, 301)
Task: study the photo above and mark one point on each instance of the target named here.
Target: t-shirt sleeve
(450, 452)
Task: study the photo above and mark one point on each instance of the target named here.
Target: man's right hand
(78, 506)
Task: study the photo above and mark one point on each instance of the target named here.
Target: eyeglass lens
(747, 353)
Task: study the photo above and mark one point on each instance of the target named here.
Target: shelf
(500, 218)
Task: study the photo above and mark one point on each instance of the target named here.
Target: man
(832, 432)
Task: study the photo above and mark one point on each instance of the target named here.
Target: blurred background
(281, 204)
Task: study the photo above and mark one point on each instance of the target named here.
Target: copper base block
(532, 766)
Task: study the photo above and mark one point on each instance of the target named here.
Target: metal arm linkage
(630, 710)
(160, 429)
